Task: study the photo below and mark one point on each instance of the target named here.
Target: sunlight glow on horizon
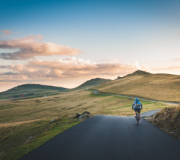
(107, 38)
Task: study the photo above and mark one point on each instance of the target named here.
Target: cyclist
(137, 106)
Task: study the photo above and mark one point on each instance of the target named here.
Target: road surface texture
(150, 113)
(109, 138)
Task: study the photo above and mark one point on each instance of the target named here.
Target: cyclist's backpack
(138, 103)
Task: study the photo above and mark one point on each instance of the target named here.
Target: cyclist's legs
(135, 112)
(139, 116)
(138, 111)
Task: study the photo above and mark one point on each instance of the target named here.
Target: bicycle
(137, 118)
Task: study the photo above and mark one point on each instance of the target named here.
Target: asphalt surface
(109, 138)
(150, 113)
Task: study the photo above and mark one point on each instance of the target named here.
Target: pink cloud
(4, 66)
(31, 46)
(167, 68)
(71, 63)
(68, 68)
(176, 59)
(177, 52)
(110, 60)
(6, 32)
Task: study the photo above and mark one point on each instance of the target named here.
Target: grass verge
(13, 143)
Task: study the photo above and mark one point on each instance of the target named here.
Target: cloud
(12, 77)
(71, 63)
(8, 73)
(167, 68)
(177, 52)
(31, 46)
(110, 60)
(68, 68)
(4, 66)
(176, 59)
(6, 32)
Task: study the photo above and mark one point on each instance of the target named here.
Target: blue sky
(105, 31)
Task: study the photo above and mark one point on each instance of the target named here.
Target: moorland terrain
(162, 87)
(24, 118)
(37, 90)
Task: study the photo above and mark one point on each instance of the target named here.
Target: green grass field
(21, 119)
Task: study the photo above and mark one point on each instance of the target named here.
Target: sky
(66, 42)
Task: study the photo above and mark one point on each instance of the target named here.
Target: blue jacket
(137, 104)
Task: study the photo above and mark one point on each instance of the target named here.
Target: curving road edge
(109, 138)
(97, 92)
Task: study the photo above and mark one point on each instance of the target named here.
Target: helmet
(136, 99)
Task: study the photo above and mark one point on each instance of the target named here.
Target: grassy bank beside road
(21, 119)
(168, 120)
(14, 141)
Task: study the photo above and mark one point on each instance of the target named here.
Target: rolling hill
(37, 90)
(31, 90)
(164, 87)
(91, 83)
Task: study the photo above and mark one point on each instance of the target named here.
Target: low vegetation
(168, 119)
(163, 87)
(24, 118)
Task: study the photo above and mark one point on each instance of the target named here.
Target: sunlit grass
(13, 138)
(163, 87)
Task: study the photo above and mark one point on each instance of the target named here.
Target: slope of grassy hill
(31, 90)
(163, 87)
(91, 83)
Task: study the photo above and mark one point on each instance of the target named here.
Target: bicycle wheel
(137, 118)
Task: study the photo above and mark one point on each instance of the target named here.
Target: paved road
(150, 113)
(109, 138)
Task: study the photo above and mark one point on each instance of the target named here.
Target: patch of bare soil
(168, 119)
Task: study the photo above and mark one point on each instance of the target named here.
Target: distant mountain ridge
(38, 90)
(39, 86)
(139, 72)
(31, 90)
(91, 83)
